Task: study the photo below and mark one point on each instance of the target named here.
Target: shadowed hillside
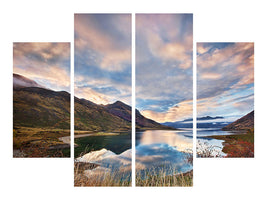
(244, 123)
(94, 117)
(40, 107)
(145, 123)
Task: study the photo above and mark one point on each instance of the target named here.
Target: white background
(51, 21)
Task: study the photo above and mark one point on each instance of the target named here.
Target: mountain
(20, 81)
(188, 123)
(93, 117)
(145, 123)
(124, 111)
(121, 110)
(178, 124)
(199, 125)
(209, 118)
(244, 123)
(204, 118)
(40, 107)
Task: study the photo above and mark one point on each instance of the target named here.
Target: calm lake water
(216, 145)
(163, 149)
(112, 153)
(155, 149)
(115, 143)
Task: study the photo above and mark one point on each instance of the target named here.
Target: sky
(102, 57)
(225, 79)
(164, 73)
(46, 63)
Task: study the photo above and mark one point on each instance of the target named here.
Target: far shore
(66, 139)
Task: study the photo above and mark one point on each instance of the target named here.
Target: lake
(112, 153)
(155, 149)
(167, 150)
(115, 143)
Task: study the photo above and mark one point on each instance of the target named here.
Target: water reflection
(155, 149)
(180, 140)
(159, 149)
(109, 162)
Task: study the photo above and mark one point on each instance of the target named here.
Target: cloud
(49, 52)
(91, 95)
(102, 90)
(201, 49)
(103, 57)
(244, 106)
(178, 112)
(210, 76)
(53, 77)
(226, 67)
(228, 103)
(102, 97)
(108, 37)
(232, 54)
(46, 63)
(159, 35)
(164, 76)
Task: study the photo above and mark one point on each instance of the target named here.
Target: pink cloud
(33, 60)
(232, 55)
(176, 113)
(176, 48)
(210, 75)
(91, 95)
(201, 49)
(111, 56)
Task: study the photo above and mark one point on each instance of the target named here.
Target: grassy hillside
(244, 123)
(39, 107)
(92, 117)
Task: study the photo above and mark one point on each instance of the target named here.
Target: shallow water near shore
(216, 145)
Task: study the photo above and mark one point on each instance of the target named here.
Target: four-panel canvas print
(163, 109)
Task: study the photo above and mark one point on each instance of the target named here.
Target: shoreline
(66, 139)
(237, 145)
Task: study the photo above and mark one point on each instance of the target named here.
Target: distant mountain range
(204, 118)
(34, 106)
(244, 123)
(199, 125)
(178, 124)
(188, 123)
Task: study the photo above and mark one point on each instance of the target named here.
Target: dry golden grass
(36, 142)
(107, 178)
(156, 178)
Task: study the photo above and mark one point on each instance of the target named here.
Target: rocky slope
(244, 123)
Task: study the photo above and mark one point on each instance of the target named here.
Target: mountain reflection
(176, 139)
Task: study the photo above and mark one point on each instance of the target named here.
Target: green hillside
(39, 107)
